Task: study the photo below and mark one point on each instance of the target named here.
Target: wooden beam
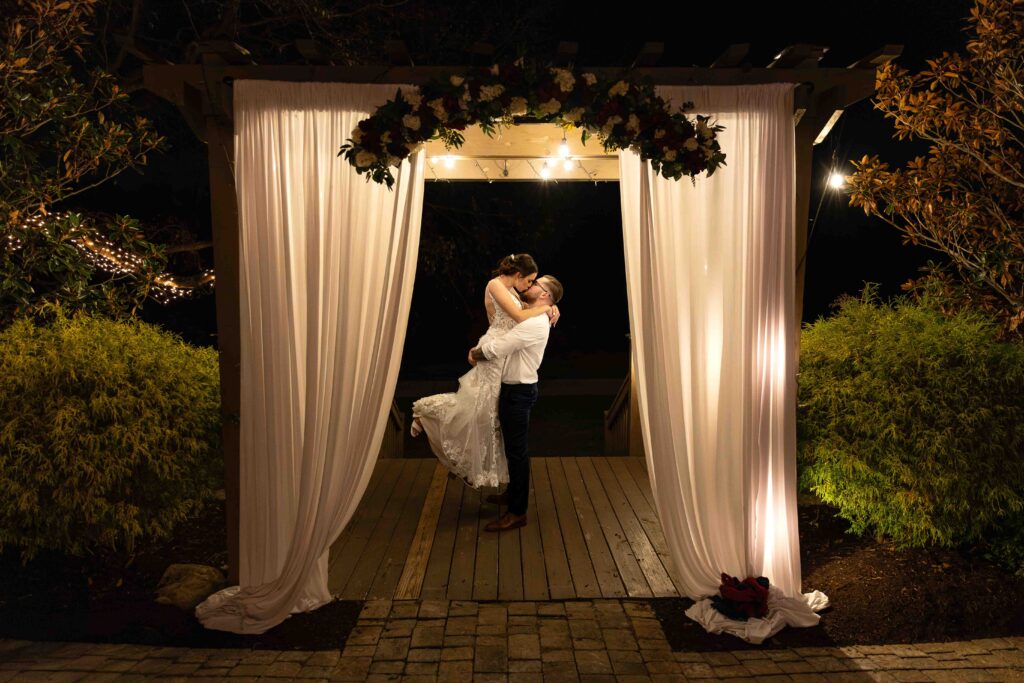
(733, 56)
(482, 53)
(224, 212)
(800, 56)
(312, 51)
(884, 54)
(566, 53)
(226, 51)
(398, 53)
(650, 54)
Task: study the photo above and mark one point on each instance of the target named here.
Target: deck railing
(393, 445)
(616, 422)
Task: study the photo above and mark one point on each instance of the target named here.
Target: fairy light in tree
(106, 256)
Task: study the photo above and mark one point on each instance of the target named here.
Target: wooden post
(224, 211)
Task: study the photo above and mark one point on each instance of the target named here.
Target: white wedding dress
(463, 427)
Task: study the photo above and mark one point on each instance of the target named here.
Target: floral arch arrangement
(623, 114)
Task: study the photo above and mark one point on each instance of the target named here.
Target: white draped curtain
(710, 273)
(327, 268)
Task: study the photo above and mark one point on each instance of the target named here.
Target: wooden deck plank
(397, 554)
(435, 581)
(371, 487)
(584, 578)
(342, 561)
(510, 565)
(485, 572)
(647, 515)
(643, 550)
(638, 468)
(605, 569)
(535, 577)
(370, 558)
(633, 578)
(556, 564)
(411, 582)
(460, 580)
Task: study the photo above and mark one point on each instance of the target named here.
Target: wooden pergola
(203, 94)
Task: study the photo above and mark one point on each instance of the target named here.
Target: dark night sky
(574, 230)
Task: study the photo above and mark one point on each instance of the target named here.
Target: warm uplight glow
(836, 180)
(567, 166)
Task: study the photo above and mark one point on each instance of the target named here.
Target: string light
(106, 256)
(836, 180)
(545, 170)
(563, 149)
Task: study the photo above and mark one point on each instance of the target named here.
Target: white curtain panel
(710, 274)
(327, 267)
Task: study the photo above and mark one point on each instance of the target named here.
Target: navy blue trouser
(514, 407)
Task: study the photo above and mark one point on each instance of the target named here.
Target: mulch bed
(89, 600)
(879, 595)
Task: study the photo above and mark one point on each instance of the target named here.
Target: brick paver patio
(542, 642)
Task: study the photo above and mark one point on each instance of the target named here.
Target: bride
(462, 427)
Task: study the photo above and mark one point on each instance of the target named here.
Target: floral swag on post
(622, 114)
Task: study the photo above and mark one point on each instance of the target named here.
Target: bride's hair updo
(523, 264)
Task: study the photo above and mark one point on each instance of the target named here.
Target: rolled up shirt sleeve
(522, 335)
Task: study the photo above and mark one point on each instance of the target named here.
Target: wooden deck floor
(592, 533)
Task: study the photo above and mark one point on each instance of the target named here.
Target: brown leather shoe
(498, 499)
(506, 522)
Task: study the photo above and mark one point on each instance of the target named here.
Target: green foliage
(65, 127)
(911, 422)
(71, 262)
(109, 434)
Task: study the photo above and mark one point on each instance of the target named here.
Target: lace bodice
(501, 320)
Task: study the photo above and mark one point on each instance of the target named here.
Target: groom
(523, 348)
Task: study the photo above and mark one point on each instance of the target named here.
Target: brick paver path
(542, 642)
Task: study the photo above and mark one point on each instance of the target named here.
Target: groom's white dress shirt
(524, 347)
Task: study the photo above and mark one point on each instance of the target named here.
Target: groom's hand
(472, 361)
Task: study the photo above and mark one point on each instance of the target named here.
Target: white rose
(670, 154)
(708, 152)
(518, 106)
(437, 106)
(590, 78)
(606, 129)
(385, 137)
(457, 80)
(414, 98)
(549, 107)
(365, 159)
(633, 125)
(411, 122)
(413, 147)
(573, 115)
(690, 144)
(564, 78)
(620, 88)
(394, 161)
(357, 135)
(491, 92)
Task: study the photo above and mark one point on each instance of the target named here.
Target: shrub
(109, 434)
(912, 423)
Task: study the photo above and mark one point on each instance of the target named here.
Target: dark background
(574, 229)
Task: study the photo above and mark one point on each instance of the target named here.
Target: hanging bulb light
(567, 165)
(545, 170)
(836, 180)
(563, 149)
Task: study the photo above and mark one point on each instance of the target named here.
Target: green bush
(109, 434)
(911, 422)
